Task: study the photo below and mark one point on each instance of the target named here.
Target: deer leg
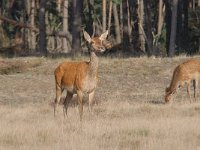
(57, 99)
(195, 84)
(91, 97)
(66, 102)
(80, 102)
(188, 91)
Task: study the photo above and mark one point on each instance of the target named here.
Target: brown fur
(184, 74)
(79, 77)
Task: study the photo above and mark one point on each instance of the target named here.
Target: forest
(150, 38)
(164, 28)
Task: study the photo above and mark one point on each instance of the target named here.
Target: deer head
(169, 94)
(99, 44)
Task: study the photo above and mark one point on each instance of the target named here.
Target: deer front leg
(188, 91)
(66, 102)
(91, 97)
(80, 103)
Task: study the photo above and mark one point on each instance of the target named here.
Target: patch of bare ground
(129, 112)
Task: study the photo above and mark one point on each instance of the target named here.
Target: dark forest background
(136, 27)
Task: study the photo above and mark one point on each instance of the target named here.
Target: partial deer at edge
(80, 77)
(184, 73)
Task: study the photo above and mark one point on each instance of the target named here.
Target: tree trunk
(1, 14)
(121, 19)
(182, 26)
(65, 45)
(128, 20)
(160, 17)
(42, 28)
(89, 25)
(76, 27)
(126, 43)
(141, 24)
(51, 42)
(32, 17)
(117, 26)
(148, 27)
(185, 12)
(193, 4)
(173, 29)
(199, 45)
(110, 15)
(168, 15)
(104, 15)
(59, 5)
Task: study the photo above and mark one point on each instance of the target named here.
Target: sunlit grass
(129, 112)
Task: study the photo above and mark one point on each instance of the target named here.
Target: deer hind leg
(91, 97)
(188, 91)
(66, 102)
(195, 84)
(80, 103)
(58, 97)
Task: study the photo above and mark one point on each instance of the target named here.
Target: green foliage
(116, 1)
(9, 29)
(160, 41)
(187, 37)
(54, 17)
(97, 10)
(191, 41)
(15, 12)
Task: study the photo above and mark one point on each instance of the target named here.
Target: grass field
(129, 112)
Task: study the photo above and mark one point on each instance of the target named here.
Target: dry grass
(130, 113)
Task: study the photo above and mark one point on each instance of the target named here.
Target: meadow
(129, 110)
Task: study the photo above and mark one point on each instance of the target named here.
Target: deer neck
(93, 65)
(174, 84)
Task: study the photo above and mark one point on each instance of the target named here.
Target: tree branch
(66, 35)
(18, 24)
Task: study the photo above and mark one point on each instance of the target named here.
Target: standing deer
(80, 77)
(184, 73)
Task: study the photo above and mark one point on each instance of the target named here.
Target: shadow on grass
(155, 102)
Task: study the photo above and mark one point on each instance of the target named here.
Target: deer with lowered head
(184, 73)
(80, 77)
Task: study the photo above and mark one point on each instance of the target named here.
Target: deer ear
(87, 36)
(103, 35)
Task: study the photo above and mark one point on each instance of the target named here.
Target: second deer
(184, 73)
(80, 77)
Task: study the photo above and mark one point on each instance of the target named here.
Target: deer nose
(102, 49)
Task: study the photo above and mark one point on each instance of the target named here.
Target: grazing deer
(80, 77)
(184, 73)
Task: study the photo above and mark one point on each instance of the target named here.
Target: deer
(80, 78)
(184, 74)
